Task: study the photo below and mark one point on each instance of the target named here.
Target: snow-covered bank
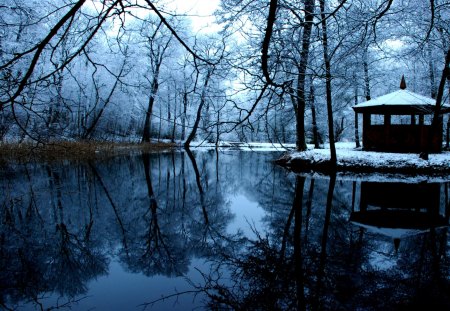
(352, 162)
(354, 159)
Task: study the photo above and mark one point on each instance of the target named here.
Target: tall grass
(75, 150)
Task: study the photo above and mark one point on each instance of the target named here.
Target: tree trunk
(160, 124)
(148, 114)
(183, 122)
(313, 115)
(97, 116)
(366, 74)
(431, 72)
(156, 58)
(356, 118)
(447, 140)
(301, 100)
(436, 115)
(333, 158)
(199, 111)
(217, 129)
(174, 124)
(169, 115)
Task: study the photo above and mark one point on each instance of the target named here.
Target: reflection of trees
(75, 262)
(211, 216)
(265, 273)
(155, 248)
(41, 251)
(61, 224)
(113, 205)
(199, 186)
(180, 217)
(315, 259)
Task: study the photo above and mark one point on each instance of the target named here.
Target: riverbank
(351, 159)
(98, 149)
(76, 150)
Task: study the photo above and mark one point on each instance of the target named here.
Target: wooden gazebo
(381, 134)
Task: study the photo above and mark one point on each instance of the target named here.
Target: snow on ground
(436, 169)
(390, 167)
(348, 155)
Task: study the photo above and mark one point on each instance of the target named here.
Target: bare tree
(216, 52)
(157, 53)
(24, 69)
(327, 61)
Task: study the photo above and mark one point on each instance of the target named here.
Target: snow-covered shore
(350, 160)
(354, 159)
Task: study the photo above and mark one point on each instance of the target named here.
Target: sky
(201, 12)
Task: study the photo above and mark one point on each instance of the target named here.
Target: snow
(400, 97)
(348, 156)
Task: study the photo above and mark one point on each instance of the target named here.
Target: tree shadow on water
(309, 263)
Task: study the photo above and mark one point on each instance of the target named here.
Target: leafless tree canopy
(88, 70)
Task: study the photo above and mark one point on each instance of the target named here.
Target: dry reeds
(61, 150)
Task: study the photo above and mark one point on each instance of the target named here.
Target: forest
(226, 228)
(281, 71)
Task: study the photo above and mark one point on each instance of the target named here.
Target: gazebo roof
(400, 102)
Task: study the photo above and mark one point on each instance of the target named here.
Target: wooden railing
(401, 138)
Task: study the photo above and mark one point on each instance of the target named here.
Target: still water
(227, 230)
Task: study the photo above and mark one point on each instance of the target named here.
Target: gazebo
(401, 122)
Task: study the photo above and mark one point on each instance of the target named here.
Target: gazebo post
(357, 131)
(387, 130)
(366, 129)
(422, 136)
(447, 134)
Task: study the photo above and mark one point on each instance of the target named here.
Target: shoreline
(298, 165)
(79, 150)
(350, 160)
(356, 160)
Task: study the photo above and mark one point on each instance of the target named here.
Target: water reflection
(227, 230)
(399, 209)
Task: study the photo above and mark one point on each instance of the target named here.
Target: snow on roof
(400, 97)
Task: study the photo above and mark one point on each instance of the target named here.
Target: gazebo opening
(401, 122)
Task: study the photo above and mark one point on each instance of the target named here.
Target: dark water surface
(174, 231)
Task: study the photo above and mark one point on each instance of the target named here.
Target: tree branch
(40, 48)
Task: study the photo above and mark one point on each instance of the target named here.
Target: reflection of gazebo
(381, 132)
(398, 209)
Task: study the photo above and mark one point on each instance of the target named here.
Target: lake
(227, 230)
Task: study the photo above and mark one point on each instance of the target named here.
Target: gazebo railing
(401, 138)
